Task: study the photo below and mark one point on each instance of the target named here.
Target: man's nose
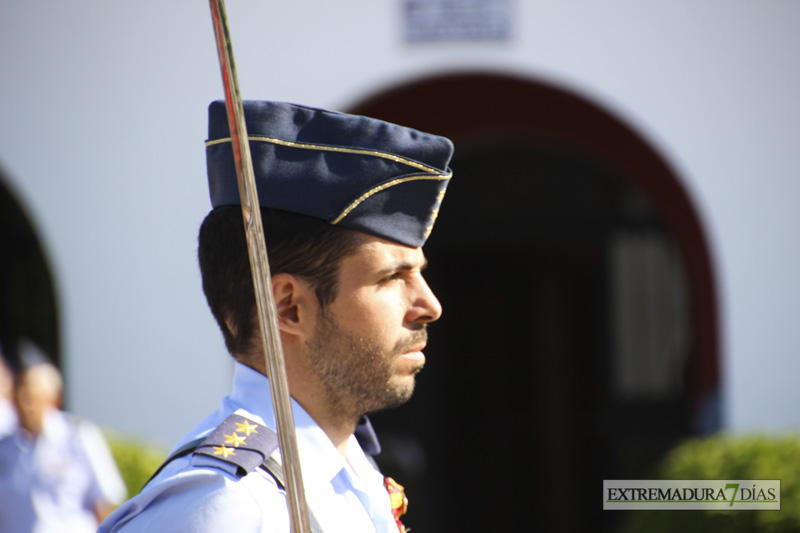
(425, 306)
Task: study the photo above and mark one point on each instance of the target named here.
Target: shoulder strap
(241, 441)
(238, 440)
(272, 466)
(275, 469)
(186, 449)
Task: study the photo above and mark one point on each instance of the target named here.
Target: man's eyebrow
(401, 266)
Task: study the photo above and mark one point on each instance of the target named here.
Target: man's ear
(295, 303)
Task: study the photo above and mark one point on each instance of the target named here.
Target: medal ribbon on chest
(397, 495)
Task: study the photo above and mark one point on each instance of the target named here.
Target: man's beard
(357, 372)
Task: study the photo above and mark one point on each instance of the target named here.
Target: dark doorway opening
(578, 341)
(28, 311)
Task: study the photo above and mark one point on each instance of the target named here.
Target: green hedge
(729, 457)
(136, 460)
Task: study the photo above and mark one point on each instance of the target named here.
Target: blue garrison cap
(352, 171)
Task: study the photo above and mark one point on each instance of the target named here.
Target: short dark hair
(306, 247)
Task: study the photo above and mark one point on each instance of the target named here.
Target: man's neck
(330, 415)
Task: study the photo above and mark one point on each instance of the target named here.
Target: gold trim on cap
(383, 186)
(340, 149)
(431, 172)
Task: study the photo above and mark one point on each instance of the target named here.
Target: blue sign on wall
(456, 20)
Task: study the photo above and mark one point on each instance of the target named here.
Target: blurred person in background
(56, 470)
(8, 416)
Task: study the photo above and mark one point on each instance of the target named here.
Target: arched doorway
(579, 338)
(28, 312)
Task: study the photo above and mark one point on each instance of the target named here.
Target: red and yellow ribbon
(397, 495)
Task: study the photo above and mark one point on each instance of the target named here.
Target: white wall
(103, 121)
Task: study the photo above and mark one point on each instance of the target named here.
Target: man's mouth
(416, 342)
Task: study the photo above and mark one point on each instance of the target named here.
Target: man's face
(367, 345)
(35, 396)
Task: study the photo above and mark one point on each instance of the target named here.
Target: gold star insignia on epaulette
(223, 451)
(246, 427)
(235, 439)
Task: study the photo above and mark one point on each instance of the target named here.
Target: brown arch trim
(461, 105)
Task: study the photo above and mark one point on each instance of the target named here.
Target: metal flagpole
(259, 265)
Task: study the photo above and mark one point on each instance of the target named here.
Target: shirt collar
(55, 427)
(319, 459)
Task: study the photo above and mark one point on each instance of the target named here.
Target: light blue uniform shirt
(203, 494)
(54, 482)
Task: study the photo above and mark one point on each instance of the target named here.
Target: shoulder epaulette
(241, 441)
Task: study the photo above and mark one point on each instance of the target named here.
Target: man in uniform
(347, 203)
(56, 470)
